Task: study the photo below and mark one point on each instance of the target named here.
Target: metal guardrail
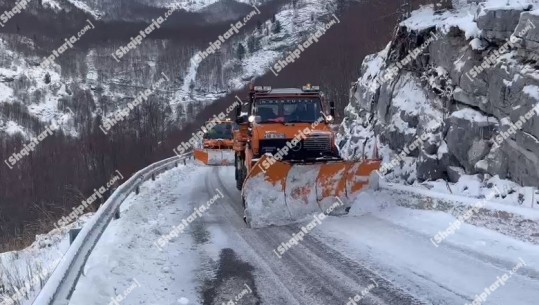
(62, 283)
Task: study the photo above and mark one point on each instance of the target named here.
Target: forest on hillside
(65, 169)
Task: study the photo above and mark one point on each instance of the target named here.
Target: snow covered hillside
(91, 83)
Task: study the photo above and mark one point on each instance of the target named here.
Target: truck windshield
(288, 110)
(221, 131)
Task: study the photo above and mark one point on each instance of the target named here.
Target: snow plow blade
(286, 193)
(214, 156)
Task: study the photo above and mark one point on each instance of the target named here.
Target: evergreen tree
(276, 27)
(240, 51)
(252, 44)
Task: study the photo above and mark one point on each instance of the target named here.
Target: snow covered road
(380, 250)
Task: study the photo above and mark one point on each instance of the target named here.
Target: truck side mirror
(332, 108)
(242, 119)
(238, 111)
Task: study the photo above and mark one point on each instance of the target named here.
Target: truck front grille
(320, 143)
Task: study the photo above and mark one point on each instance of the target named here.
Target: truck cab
(289, 124)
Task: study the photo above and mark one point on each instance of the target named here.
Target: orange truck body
(297, 160)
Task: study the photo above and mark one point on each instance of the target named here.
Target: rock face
(473, 90)
(498, 24)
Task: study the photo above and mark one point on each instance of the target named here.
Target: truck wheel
(240, 174)
(236, 167)
(245, 212)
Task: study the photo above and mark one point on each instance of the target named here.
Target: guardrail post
(73, 235)
(72, 266)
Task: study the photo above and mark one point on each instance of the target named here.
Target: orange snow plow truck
(217, 144)
(287, 164)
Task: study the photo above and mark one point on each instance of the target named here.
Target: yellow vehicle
(287, 164)
(217, 144)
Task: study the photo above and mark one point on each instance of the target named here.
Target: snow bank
(127, 255)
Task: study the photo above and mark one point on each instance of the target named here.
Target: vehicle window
(288, 110)
(221, 131)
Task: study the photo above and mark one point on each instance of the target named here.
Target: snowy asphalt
(384, 255)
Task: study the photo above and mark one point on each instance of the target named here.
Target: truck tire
(240, 173)
(236, 168)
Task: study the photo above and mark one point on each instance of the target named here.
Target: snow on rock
(507, 192)
(472, 115)
(52, 4)
(532, 91)
(85, 7)
(496, 5)
(460, 115)
(425, 18)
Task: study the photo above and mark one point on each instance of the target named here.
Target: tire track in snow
(316, 277)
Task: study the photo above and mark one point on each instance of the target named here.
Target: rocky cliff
(455, 93)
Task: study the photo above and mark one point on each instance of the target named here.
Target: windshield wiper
(299, 121)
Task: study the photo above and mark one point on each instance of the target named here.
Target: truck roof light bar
(309, 88)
